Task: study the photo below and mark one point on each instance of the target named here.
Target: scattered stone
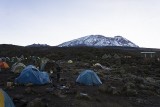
(71, 91)
(114, 90)
(20, 103)
(158, 82)
(36, 103)
(70, 84)
(146, 92)
(109, 89)
(129, 85)
(58, 93)
(1, 84)
(103, 88)
(151, 80)
(83, 96)
(18, 97)
(28, 90)
(140, 101)
(63, 87)
(131, 92)
(62, 79)
(141, 86)
(49, 90)
(29, 84)
(61, 96)
(139, 80)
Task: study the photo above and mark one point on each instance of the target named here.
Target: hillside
(128, 79)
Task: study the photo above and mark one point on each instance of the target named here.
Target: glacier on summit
(99, 41)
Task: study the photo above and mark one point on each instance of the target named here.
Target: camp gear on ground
(49, 65)
(58, 69)
(52, 66)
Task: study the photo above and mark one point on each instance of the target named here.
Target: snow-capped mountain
(99, 41)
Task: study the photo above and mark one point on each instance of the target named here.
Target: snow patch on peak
(99, 40)
(119, 38)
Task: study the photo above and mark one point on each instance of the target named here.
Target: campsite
(88, 77)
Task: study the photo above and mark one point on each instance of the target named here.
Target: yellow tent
(5, 100)
(1, 99)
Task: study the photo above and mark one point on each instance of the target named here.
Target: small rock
(49, 90)
(151, 80)
(29, 84)
(158, 91)
(28, 90)
(131, 92)
(18, 97)
(83, 96)
(141, 86)
(36, 103)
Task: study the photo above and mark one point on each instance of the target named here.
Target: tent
(105, 56)
(14, 59)
(17, 67)
(3, 59)
(4, 65)
(5, 100)
(116, 56)
(7, 59)
(88, 77)
(31, 74)
(70, 61)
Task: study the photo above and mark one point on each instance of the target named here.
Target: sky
(52, 22)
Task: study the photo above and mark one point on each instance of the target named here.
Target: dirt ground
(67, 93)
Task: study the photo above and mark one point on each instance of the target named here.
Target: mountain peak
(99, 41)
(38, 45)
(119, 37)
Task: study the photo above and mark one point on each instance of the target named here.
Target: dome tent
(17, 67)
(31, 74)
(88, 77)
(4, 65)
(70, 61)
(5, 100)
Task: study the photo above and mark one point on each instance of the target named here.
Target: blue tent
(5, 100)
(31, 74)
(88, 77)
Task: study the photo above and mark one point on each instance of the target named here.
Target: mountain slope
(99, 41)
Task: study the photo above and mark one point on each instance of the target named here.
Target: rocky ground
(123, 85)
